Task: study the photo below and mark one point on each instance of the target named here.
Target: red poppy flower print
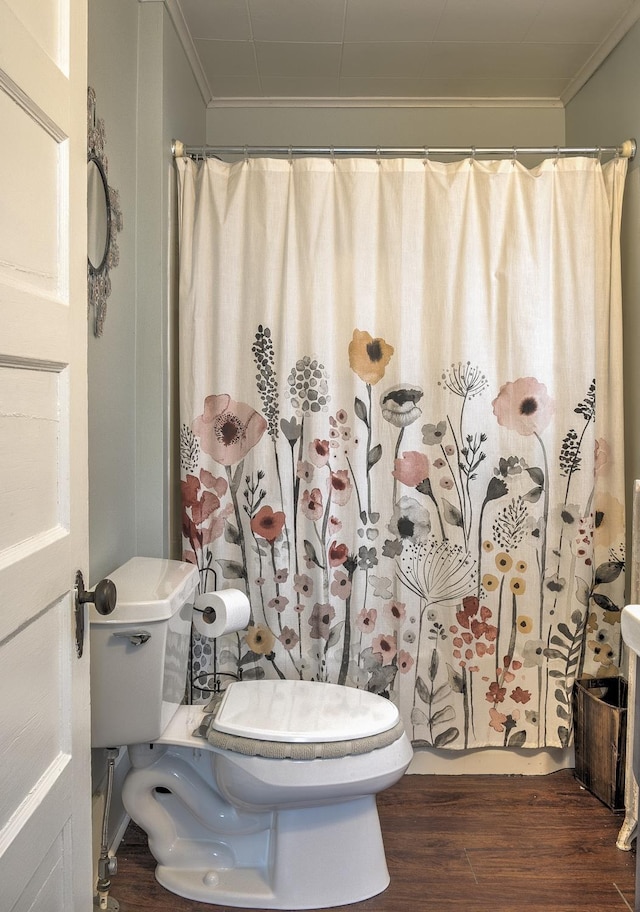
(267, 524)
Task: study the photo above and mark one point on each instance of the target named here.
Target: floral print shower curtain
(401, 431)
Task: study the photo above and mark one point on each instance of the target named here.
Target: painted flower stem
(346, 642)
(233, 490)
(397, 453)
(545, 522)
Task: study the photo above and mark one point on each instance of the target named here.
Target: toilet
(265, 798)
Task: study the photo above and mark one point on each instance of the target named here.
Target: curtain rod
(626, 150)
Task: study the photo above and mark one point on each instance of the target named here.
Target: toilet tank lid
(148, 589)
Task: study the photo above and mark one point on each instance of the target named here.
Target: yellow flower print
(259, 639)
(524, 624)
(521, 566)
(503, 562)
(368, 357)
(517, 585)
(487, 546)
(602, 652)
(490, 582)
(609, 520)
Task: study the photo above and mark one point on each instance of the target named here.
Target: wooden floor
(464, 843)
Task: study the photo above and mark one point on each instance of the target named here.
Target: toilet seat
(306, 712)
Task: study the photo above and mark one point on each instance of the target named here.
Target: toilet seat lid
(302, 711)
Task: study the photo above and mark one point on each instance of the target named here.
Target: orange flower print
(497, 720)
(368, 357)
(260, 640)
(267, 524)
(228, 429)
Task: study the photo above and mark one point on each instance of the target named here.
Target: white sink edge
(630, 625)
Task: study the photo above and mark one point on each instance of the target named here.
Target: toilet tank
(140, 652)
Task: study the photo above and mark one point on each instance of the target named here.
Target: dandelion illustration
(464, 380)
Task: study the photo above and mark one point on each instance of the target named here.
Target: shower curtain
(401, 431)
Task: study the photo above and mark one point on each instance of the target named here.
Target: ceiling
(388, 51)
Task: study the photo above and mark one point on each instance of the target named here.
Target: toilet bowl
(266, 801)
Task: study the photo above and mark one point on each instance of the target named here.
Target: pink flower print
(340, 487)
(385, 647)
(303, 584)
(334, 524)
(482, 649)
(219, 485)
(524, 406)
(341, 585)
(311, 504)
(470, 606)
(481, 628)
(337, 554)
(518, 695)
(304, 470)
(411, 469)
(341, 416)
(206, 522)
(405, 662)
(497, 720)
(366, 620)
(320, 621)
(228, 429)
(279, 603)
(319, 452)
(496, 694)
(395, 610)
(602, 458)
(289, 638)
(281, 575)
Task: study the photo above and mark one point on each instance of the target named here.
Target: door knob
(104, 597)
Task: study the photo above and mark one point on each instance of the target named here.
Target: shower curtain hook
(246, 155)
(290, 155)
(599, 154)
(514, 159)
(426, 153)
(378, 154)
(555, 161)
(333, 156)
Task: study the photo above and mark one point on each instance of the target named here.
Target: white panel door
(45, 790)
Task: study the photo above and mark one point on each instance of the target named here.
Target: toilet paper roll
(221, 612)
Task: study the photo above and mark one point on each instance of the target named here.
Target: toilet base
(327, 856)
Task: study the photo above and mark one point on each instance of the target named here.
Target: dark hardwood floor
(464, 843)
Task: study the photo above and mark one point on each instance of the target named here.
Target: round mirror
(99, 215)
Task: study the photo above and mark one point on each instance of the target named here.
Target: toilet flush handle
(135, 637)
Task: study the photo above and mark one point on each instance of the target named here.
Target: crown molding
(383, 102)
(176, 15)
(582, 77)
(603, 50)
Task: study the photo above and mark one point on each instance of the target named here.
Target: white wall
(146, 94)
(436, 126)
(113, 29)
(606, 112)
